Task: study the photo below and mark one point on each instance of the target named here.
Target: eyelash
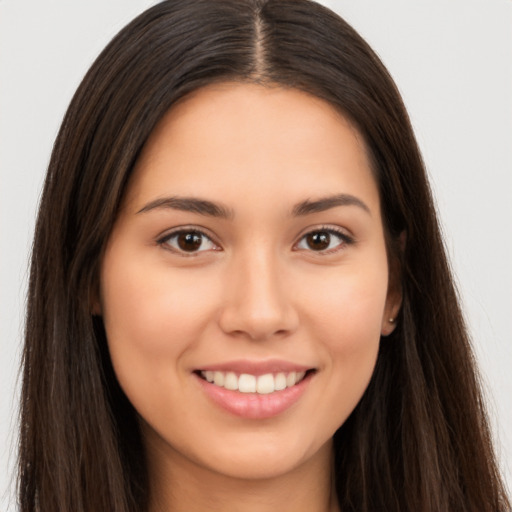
(164, 241)
(331, 231)
(345, 239)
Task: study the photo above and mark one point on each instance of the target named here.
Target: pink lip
(256, 367)
(254, 405)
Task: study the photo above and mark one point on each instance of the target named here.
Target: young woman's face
(249, 251)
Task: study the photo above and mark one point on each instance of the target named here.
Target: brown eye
(318, 241)
(188, 242)
(324, 241)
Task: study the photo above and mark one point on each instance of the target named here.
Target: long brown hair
(418, 440)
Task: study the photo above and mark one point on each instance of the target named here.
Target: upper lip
(256, 367)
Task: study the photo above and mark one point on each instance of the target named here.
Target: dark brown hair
(418, 440)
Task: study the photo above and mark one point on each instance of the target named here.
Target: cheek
(151, 318)
(346, 321)
(348, 310)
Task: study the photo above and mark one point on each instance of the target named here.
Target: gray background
(452, 61)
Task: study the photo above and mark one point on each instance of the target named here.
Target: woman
(239, 298)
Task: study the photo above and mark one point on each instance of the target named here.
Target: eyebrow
(326, 203)
(211, 209)
(190, 204)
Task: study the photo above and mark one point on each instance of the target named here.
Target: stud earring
(391, 320)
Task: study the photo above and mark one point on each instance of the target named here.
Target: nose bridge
(257, 300)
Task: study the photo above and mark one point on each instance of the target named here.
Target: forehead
(272, 141)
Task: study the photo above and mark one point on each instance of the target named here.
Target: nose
(257, 301)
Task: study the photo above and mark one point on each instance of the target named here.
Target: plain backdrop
(452, 61)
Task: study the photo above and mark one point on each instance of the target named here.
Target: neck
(181, 485)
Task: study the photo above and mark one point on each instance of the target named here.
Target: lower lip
(254, 405)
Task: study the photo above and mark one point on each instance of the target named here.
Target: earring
(391, 320)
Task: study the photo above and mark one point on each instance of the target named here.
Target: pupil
(189, 241)
(318, 241)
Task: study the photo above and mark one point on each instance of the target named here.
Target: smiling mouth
(247, 383)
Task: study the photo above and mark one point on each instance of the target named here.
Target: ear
(393, 304)
(394, 295)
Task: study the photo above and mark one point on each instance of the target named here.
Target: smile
(255, 390)
(247, 383)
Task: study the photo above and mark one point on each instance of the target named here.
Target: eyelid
(162, 239)
(347, 239)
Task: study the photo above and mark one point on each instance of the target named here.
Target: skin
(255, 290)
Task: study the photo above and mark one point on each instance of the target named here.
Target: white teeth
(218, 378)
(231, 381)
(291, 378)
(265, 384)
(280, 381)
(246, 383)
